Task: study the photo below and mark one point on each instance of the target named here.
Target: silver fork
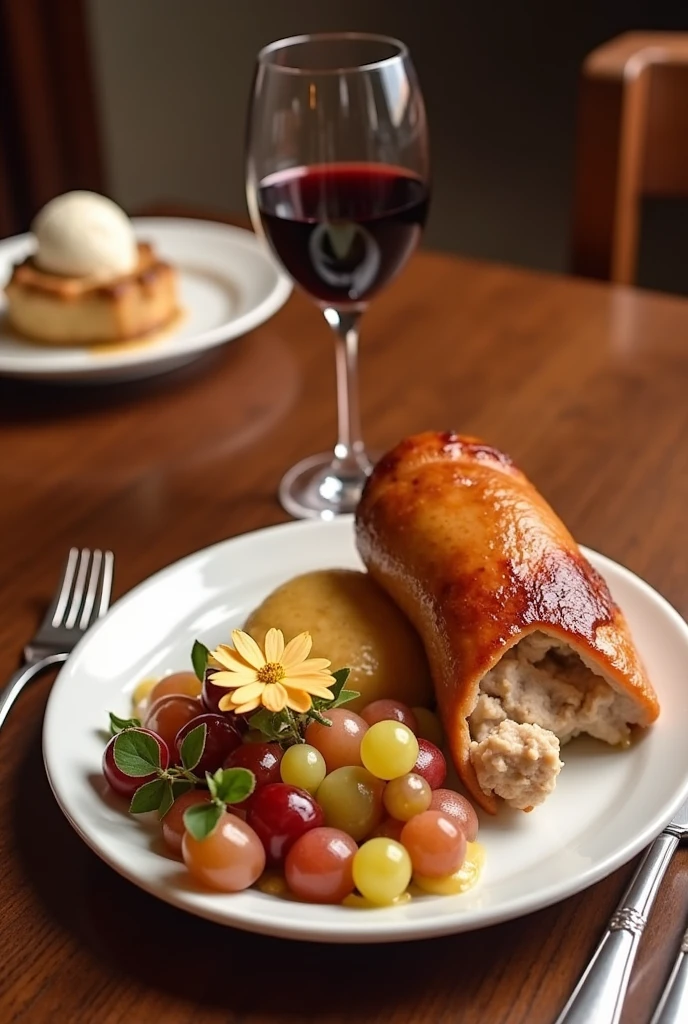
(598, 996)
(82, 597)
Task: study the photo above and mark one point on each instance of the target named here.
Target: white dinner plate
(607, 806)
(229, 284)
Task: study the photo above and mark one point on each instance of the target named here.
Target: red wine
(342, 230)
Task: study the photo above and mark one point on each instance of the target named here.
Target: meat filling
(539, 696)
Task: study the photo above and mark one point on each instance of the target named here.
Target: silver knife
(598, 997)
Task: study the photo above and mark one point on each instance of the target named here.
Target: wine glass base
(317, 488)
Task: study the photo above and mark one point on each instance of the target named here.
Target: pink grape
(173, 822)
(385, 709)
(230, 859)
(339, 743)
(318, 867)
(435, 843)
(459, 809)
(167, 715)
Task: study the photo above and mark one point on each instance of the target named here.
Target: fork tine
(78, 592)
(106, 585)
(92, 589)
(65, 588)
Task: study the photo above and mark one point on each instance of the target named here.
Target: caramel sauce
(147, 340)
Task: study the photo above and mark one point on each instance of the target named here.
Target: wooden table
(583, 384)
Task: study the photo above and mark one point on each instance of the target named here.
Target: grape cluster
(353, 815)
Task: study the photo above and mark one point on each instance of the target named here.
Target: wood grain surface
(583, 384)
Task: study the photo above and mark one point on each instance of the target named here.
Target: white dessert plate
(607, 806)
(229, 284)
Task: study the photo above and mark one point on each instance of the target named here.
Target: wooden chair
(632, 142)
(49, 132)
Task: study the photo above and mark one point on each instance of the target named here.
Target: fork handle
(21, 677)
(673, 1006)
(598, 996)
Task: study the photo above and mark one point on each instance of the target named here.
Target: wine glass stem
(349, 450)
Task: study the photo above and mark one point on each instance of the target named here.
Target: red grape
(435, 843)
(211, 695)
(221, 738)
(263, 759)
(318, 867)
(167, 715)
(173, 822)
(280, 814)
(230, 859)
(430, 763)
(384, 709)
(459, 809)
(126, 785)
(339, 743)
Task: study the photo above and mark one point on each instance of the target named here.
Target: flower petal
(233, 679)
(222, 655)
(248, 692)
(309, 666)
(299, 701)
(274, 645)
(248, 648)
(315, 687)
(225, 703)
(274, 697)
(242, 709)
(231, 660)
(297, 650)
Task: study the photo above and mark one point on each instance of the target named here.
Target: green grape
(304, 766)
(389, 749)
(351, 799)
(382, 870)
(408, 795)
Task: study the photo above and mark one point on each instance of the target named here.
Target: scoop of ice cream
(83, 234)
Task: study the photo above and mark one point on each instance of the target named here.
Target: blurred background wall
(500, 80)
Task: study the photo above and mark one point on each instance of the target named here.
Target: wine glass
(337, 182)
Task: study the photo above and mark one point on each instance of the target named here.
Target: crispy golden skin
(477, 559)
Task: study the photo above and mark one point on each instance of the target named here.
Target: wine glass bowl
(337, 183)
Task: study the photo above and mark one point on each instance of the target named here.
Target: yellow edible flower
(279, 677)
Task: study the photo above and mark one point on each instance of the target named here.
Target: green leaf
(148, 796)
(180, 786)
(344, 697)
(234, 784)
(199, 658)
(212, 782)
(136, 753)
(270, 723)
(193, 746)
(117, 724)
(340, 677)
(166, 800)
(201, 819)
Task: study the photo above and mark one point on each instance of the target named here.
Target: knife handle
(598, 996)
(673, 1006)
(21, 677)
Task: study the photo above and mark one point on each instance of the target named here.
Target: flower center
(272, 672)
